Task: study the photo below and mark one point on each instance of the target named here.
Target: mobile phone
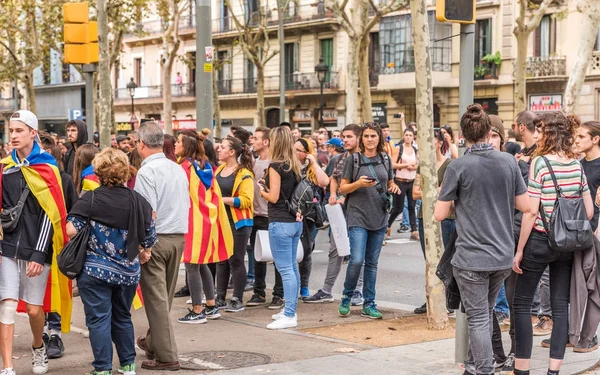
(262, 183)
(371, 179)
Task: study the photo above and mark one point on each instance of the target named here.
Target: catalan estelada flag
(138, 300)
(209, 238)
(42, 175)
(89, 179)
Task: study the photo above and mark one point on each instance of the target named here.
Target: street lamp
(321, 69)
(131, 86)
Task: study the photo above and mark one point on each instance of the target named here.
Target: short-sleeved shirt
(364, 206)
(592, 174)
(278, 212)
(226, 186)
(336, 166)
(569, 178)
(483, 186)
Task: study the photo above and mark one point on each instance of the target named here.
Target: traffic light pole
(204, 90)
(89, 70)
(465, 98)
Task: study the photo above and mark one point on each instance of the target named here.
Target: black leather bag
(72, 257)
(569, 228)
(10, 216)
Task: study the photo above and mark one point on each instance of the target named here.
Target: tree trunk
(365, 84)
(30, 91)
(352, 79)
(522, 37)
(260, 94)
(216, 104)
(166, 94)
(104, 75)
(437, 316)
(587, 39)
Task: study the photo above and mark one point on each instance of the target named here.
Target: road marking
(318, 251)
(400, 241)
(200, 362)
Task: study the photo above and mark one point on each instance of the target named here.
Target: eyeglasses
(371, 125)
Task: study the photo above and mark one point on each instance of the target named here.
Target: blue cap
(336, 142)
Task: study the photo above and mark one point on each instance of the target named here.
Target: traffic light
(457, 11)
(80, 35)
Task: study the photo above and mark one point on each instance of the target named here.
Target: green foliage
(495, 58)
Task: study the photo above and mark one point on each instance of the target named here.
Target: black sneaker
(55, 348)
(319, 297)
(256, 300)
(593, 345)
(234, 305)
(509, 364)
(220, 303)
(183, 292)
(421, 310)
(193, 318)
(211, 312)
(276, 303)
(499, 363)
(403, 229)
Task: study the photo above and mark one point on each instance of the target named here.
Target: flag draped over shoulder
(89, 179)
(209, 238)
(43, 178)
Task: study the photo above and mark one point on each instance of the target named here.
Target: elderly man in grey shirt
(164, 184)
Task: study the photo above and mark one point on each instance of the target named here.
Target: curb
(586, 371)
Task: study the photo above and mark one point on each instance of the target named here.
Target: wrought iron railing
(148, 92)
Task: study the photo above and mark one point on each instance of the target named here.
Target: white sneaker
(39, 360)
(284, 322)
(188, 302)
(278, 315)
(8, 371)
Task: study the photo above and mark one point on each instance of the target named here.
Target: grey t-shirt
(365, 208)
(483, 186)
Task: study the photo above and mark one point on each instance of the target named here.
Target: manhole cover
(221, 360)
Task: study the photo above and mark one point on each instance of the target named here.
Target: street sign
(456, 11)
(75, 114)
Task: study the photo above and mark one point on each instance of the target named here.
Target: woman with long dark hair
(236, 181)
(169, 147)
(554, 153)
(451, 151)
(83, 171)
(367, 181)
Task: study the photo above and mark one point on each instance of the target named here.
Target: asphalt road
(400, 277)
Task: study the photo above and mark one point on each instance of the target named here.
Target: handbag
(10, 216)
(72, 257)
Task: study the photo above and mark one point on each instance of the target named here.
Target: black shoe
(256, 300)
(319, 297)
(276, 303)
(55, 347)
(593, 345)
(234, 305)
(403, 229)
(183, 292)
(211, 312)
(509, 364)
(220, 303)
(421, 310)
(192, 318)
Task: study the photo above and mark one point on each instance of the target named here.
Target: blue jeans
(448, 226)
(53, 322)
(365, 246)
(283, 238)
(108, 319)
(501, 301)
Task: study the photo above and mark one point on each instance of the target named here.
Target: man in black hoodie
(77, 136)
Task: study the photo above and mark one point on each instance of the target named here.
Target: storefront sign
(329, 115)
(302, 115)
(180, 124)
(545, 103)
(379, 111)
(123, 126)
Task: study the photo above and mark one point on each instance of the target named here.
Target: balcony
(8, 104)
(293, 82)
(546, 67)
(150, 92)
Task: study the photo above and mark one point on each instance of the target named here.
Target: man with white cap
(33, 215)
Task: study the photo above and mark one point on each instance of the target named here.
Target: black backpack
(301, 199)
(569, 228)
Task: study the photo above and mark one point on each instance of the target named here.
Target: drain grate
(221, 360)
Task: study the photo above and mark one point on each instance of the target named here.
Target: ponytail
(242, 153)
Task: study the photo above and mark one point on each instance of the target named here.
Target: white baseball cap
(28, 118)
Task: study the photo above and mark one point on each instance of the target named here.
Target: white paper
(262, 248)
(337, 224)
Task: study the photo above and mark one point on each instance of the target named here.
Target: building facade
(312, 32)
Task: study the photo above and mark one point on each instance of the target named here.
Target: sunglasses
(370, 125)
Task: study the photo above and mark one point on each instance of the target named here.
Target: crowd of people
(152, 201)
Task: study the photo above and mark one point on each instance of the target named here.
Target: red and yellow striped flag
(209, 238)
(138, 300)
(43, 178)
(89, 179)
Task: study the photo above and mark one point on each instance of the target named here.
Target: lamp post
(321, 69)
(131, 86)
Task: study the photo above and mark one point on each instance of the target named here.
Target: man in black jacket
(77, 136)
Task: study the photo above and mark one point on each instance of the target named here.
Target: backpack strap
(400, 151)
(556, 186)
(356, 164)
(384, 160)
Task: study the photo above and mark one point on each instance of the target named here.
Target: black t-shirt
(226, 185)
(592, 173)
(512, 148)
(278, 212)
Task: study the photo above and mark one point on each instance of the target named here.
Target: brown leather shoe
(160, 366)
(543, 327)
(141, 342)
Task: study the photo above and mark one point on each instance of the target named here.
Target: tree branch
(537, 18)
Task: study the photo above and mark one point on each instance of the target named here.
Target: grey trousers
(334, 267)
(158, 281)
(478, 292)
(199, 275)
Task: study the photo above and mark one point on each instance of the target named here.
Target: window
(224, 17)
(249, 77)
(545, 38)
(137, 71)
(223, 73)
(290, 63)
(374, 58)
(117, 73)
(483, 39)
(251, 8)
(597, 46)
(327, 55)
(396, 44)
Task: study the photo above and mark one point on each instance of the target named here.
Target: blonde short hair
(112, 167)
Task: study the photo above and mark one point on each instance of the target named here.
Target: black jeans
(537, 256)
(405, 191)
(234, 266)
(260, 268)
